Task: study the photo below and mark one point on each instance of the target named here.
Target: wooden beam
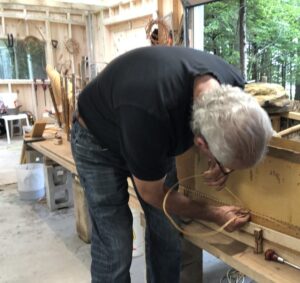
(49, 48)
(291, 115)
(141, 13)
(2, 22)
(39, 18)
(285, 145)
(50, 4)
(26, 23)
(289, 131)
(70, 36)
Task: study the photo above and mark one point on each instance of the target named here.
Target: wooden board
(83, 222)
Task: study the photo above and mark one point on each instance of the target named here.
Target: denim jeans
(103, 175)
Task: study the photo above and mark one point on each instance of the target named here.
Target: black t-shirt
(140, 105)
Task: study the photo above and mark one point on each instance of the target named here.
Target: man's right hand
(225, 213)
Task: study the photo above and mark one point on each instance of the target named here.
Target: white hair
(233, 124)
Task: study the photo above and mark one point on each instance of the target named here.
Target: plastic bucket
(138, 234)
(31, 181)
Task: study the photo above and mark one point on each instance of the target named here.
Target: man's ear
(201, 143)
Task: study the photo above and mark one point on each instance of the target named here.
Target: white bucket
(31, 181)
(138, 234)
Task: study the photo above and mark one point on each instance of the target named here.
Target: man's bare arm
(153, 192)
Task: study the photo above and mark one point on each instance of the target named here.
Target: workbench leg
(83, 222)
(191, 263)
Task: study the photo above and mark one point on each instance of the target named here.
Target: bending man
(146, 107)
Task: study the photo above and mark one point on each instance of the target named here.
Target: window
(22, 59)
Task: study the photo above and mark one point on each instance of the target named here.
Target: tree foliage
(273, 37)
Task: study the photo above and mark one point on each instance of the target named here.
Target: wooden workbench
(232, 252)
(242, 257)
(61, 154)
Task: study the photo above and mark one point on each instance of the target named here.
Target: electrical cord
(233, 276)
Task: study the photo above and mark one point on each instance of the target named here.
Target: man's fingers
(217, 183)
(240, 221)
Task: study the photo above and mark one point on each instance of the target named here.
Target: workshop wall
(122, 27)
(66, 27)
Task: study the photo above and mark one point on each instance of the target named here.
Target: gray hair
(233, 124)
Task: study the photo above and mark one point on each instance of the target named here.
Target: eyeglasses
(224, 170)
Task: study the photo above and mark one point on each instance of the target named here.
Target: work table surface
(59, 153)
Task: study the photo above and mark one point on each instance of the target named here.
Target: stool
(59, 191)
(11, 118)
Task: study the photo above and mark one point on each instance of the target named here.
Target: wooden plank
(291, 115)
(275, 120)
(289, 130)
(53, 5)
(132, 15)
(83, 222)
(285, 145)
(40, 19)
(3, 23)
(242, 258)
(288, 246)
(49, 50)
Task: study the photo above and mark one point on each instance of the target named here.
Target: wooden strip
(83, 222)
(291, 115)
(289, 131)
(52, 5)
(55, 105)
(284, 144)
(67, 109)
(3, 23)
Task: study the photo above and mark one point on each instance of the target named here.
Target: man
(143, 109)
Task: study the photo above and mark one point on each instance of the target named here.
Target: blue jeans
(103, 176)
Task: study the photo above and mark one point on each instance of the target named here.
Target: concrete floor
(40, 246)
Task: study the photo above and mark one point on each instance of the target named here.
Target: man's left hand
(214, 177)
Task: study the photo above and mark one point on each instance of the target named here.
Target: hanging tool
(35, 91)
(10, 40)
(44, 86)
(273, 256)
